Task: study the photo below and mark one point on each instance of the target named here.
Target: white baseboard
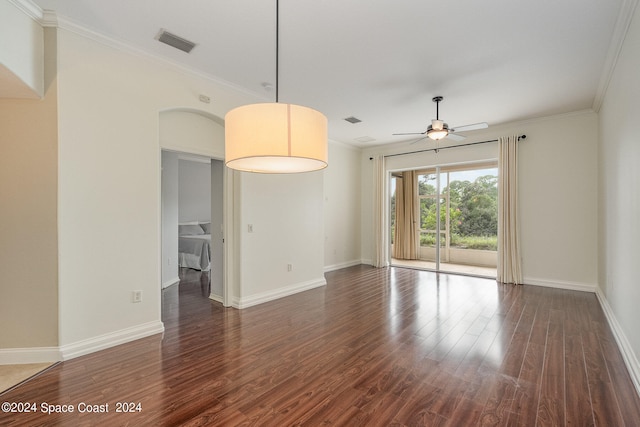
(629, 356)
(111, 339)
(20, 356)
(559, 284)
(342, 265)
(251, 300)
(170, 282)
(217, 298)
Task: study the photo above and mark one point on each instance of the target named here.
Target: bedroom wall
(558, 196)
(619, 155)
(28, 219)
(342, 207)
(169, 218)
(194, 190)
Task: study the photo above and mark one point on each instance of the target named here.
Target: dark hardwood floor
(387, 347)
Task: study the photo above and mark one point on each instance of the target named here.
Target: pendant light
(275, 137)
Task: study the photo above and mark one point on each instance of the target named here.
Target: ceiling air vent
(353, 120)
(175, 41)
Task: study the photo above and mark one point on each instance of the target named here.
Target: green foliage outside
(473, 212)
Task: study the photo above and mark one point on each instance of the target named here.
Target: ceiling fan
(439, 129)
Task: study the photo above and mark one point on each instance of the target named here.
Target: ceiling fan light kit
(437, 130)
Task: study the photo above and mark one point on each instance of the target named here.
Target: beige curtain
(405, 244)
(509, 269)
(381, 245)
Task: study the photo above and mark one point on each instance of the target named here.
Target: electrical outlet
(136, 296)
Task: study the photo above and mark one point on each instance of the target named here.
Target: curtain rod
(520, 137)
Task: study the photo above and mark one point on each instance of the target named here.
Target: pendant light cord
(277, 47)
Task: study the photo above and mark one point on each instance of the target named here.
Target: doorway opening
(445, 218)
(192, 223)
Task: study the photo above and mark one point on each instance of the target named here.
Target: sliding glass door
(455, 208)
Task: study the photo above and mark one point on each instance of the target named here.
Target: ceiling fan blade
(410, 133)
(454, 137)
(417, 140)
(474, 126)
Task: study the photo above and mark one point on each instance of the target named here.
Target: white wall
(342, 207)
(194, 190)
(619, 167)
(22, 54)
(287, 220)
(109, 185)
(558, 203)
(558, 194)
(192, 131)
(169, 256)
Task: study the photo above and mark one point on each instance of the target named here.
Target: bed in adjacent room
(194, 245)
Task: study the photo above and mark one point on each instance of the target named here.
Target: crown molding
(52, 19)
(49, 18)
(67, 24)
(543, 118)
(29, 8)
(625, 15)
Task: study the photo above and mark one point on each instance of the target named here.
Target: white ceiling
(494, 61)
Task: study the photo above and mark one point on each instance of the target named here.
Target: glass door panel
(427, 195)
(472, 220)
